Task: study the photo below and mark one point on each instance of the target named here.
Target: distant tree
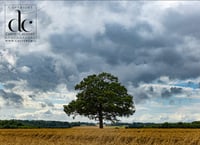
(101, 97)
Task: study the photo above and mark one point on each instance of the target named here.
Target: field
(95, 136)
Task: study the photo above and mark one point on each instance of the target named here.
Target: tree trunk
(100, 117)
(100, 121)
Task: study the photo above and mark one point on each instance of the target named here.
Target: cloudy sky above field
(153, 47)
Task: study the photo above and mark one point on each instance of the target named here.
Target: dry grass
(95, 136)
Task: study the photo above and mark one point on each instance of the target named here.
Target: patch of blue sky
(194, 100)
(53, 99)
(188, 85)
(1, 86)
(173, 101)
(56, 100)
(59, 101)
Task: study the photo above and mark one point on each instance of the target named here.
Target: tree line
(40, 124)
(195, 124)
(27, 124)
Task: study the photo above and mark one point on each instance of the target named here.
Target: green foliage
(101, 97)
(195, 124)
(74, 124)
(46, 124)
(10, 124)
(33, 124)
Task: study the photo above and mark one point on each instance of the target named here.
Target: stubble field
(95, 136)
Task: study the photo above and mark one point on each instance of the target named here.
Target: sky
(152, 47)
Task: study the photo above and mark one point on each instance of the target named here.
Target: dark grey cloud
(46, 104)
(172, 91)
(68, 43)
(175, 90)
(143, 94)
(11, 99)
(128, 38)
(170, 57)
(42, 73)
(153, 57)
(49, 103)
(43, 105)
(181, 23)
(48, 112)
(9, 85)
(151, 89)
(7, 72)
(120, 49)
(141, 97)
(166, 93)
(32, 96)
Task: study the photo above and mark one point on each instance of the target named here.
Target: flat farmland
(95, 136)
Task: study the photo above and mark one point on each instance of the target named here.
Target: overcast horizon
(152, 47)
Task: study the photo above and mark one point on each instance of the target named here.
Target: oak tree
(101, 97)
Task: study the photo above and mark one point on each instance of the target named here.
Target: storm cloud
(139, 48)
(140, 42)
(11, 99)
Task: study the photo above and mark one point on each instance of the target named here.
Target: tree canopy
(101, 97)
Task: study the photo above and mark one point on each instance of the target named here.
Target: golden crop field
(95, 136)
